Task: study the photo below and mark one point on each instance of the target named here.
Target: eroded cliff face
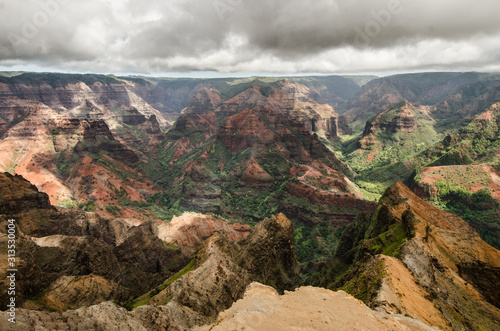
(251, 143)
(404, 122)
(54, 125)
(69, 259)
(190, 230)
(95, 100)
(216, 278)
(412, 258)
(293, 101)
(449, 261)
(55, 152)
(223, 270)
(105, 316)
(401, 119)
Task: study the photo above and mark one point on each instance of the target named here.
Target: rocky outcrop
(206, 99)
(308, 308)
(292, 101)
(18, 195)
(221, 272)
(97, 137)
(268, 253)
(446, 252)
(62, 252)
(330, 126)
(400, 293)
(399, 119)
(105, 316)
(73, 292)
(442, 272)
(433, 266)
(190, 230)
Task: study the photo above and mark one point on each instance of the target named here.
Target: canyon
(173, 204)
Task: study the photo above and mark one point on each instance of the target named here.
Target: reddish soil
(471, 177)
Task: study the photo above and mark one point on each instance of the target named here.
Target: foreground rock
(219, 277)
(105, 316)
(224, 269)
(261, 308)
(308, 308)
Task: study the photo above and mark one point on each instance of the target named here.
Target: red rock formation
(191, 230)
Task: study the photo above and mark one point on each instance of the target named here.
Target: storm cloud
(229, 36)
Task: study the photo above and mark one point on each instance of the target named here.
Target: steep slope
(101, 96)
(211, 283)
(75, 161)
(68, 259)
(462, 106)
(423, 88)
(223, 270)
(335, 91)
(478, 142)
(61, 252)
(461, 174)
(440, 271)
(255, 154)
(386, 150)
(190, 230)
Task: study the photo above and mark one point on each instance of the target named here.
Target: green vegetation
(88, 206)
(68, 204)
(157, 204)
(316, 243)
(477, 141)
(114, 209)
(365, 286)
(387, 243)
(144, 299)
(479, 209)
(369, 235)
(390, 153)
(482, 94)
(228, 88)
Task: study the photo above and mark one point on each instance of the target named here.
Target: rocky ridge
(308, 308)
(432, 265)
(221, 272)
(69, 259)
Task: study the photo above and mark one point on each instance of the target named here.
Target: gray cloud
(282, 36)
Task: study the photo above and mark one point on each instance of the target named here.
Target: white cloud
(281, 36)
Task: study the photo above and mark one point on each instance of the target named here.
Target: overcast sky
(249, 36)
